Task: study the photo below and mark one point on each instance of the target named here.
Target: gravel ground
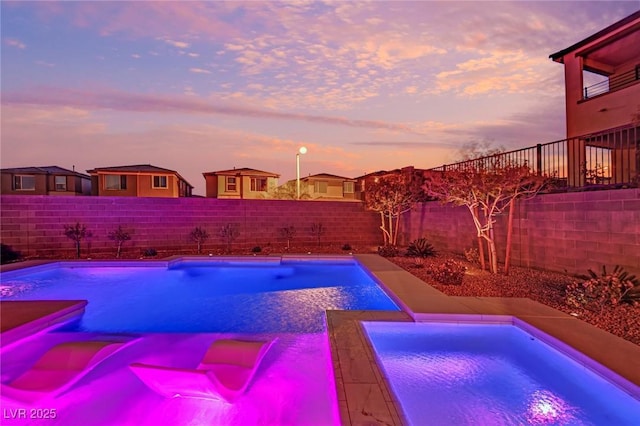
(541, 286)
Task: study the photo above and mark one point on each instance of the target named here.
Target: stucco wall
(34, 224)
(558, 232)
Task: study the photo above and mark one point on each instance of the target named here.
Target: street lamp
(302, 150)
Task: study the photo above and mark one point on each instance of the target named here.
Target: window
(320, 186)
(24, 183)
(259, 184)
(348, 187)
(115, 182)
(61, 183)
(231, 184)
(160, 182)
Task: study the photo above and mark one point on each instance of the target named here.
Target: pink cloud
(135, 102)
(14, 43)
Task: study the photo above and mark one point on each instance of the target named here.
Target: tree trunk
(507, 256)
(483, 264)
(392, 236)
(384, 229)
(77, 249)
(397, 229)
(493, 256)
(119, 248)
(492, 250)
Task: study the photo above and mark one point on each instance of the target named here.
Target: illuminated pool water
(465, 374)
(204, 296)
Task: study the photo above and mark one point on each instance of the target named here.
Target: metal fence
(613, 83)
(610, 158)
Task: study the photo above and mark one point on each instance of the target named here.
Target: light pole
(302, 150)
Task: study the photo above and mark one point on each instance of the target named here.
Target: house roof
(325, 176)
(137, 168)
(600, 34)
(243, 171)
(44, 170)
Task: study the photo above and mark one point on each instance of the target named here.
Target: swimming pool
(196, 296)
(446, 373)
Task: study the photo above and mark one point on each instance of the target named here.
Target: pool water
(200, 296)
(465, 374)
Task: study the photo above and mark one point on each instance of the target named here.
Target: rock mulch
(542, 286)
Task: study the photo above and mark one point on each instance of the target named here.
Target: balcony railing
(615, 82)
(610, 158)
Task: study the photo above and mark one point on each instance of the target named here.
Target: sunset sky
(203, 86)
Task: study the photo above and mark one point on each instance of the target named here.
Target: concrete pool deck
(363, 393)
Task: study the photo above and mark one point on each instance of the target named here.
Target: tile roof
(242, 171)
(43, 170)
(137, 168)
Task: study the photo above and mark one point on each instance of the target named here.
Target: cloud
(15, 43)
(405, 144)
(45, 64)
(496, 72)
(144, 103)
(199, 71)
(179, 44)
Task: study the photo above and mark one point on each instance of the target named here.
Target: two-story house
(602, 94)
(142, 180)
(48, 180)
(325, 186)
(243, 183)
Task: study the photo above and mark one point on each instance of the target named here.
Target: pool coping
(363, 393)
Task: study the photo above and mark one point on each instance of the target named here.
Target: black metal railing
(606, 158)
(613, 83)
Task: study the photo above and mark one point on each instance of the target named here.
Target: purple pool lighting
(445, 373)
(250, 296)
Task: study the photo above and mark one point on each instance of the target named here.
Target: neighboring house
(142, 180)
(362, 182)
(329, 187)
(602, 93)
(49, 180)
(243, 183)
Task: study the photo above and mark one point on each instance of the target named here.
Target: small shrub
(449, 272)
(346, 247)
(199, 236)
(388, 251)
(229, 233)
(317, 230)
(608, 288)
(256, 249)
(76, 233)
(8, 254)
(120, 235)
(150, 252)
(418, 262)
(420, 248)
(288, 232)
(472, 255)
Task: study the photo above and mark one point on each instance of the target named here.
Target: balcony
(614, 83)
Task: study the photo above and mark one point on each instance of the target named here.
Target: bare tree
(318, 230)
(199, 236)
(120, 235)
(229, 233)
(486, 192)
(393, 195)
(76, 233)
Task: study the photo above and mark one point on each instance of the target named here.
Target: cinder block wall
(560, 232)
(34, 225)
